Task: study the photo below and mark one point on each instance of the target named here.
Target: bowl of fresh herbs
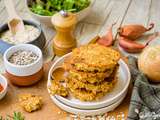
(43, 10)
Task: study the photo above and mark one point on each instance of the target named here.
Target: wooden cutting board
(49, 110)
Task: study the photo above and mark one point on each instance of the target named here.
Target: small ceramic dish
(46, 20)
(119, 90)
(39, 41)
(24, 75)
(4, 83)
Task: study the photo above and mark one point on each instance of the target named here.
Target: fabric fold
(145, 99)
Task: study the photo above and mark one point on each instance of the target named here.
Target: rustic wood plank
(87, 29)
(3, 12)
(85, 32)
(117, 15)
(1, 6)
(138, 12)
(99, 9)
(154, 17)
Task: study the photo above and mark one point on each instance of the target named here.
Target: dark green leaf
(50, 7)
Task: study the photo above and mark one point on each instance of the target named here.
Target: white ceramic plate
(119, 90)
(92, 112)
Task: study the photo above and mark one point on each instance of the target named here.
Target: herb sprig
(16, 116)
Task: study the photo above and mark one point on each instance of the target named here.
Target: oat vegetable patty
(84, 95)
(94, 58)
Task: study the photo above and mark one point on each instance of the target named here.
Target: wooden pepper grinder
(64, 41)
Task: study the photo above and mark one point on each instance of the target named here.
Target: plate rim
(86, 112)
(123, 96)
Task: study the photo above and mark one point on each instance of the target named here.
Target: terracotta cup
(24, 75)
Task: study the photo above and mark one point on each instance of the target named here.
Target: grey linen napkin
(145, 99)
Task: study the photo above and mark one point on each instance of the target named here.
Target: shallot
(134, 31)
(135, 47)
(107, 40)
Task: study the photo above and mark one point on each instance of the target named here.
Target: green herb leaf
(1, 118)
(50, 7)
(38, 9)
(18, 116)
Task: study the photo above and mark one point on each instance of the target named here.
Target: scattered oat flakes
(59, 112)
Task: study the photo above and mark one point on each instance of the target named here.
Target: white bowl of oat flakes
(23, 64)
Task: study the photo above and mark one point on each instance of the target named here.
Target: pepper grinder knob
(64, 13)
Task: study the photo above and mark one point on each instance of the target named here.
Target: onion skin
(133, 32)
(132, 50)
(130, 46)
(107, 40)
(149, 62)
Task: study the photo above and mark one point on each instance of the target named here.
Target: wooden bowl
(25, 80)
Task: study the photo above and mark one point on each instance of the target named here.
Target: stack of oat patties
(92, 71)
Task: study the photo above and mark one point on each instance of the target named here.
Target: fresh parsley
(15, 116)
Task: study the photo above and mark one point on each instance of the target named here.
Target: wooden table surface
(49, 110)
(103, 14)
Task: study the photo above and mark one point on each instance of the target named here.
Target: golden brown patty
(89, 77)
(84, 95)
(94, 57)
(104, 86)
